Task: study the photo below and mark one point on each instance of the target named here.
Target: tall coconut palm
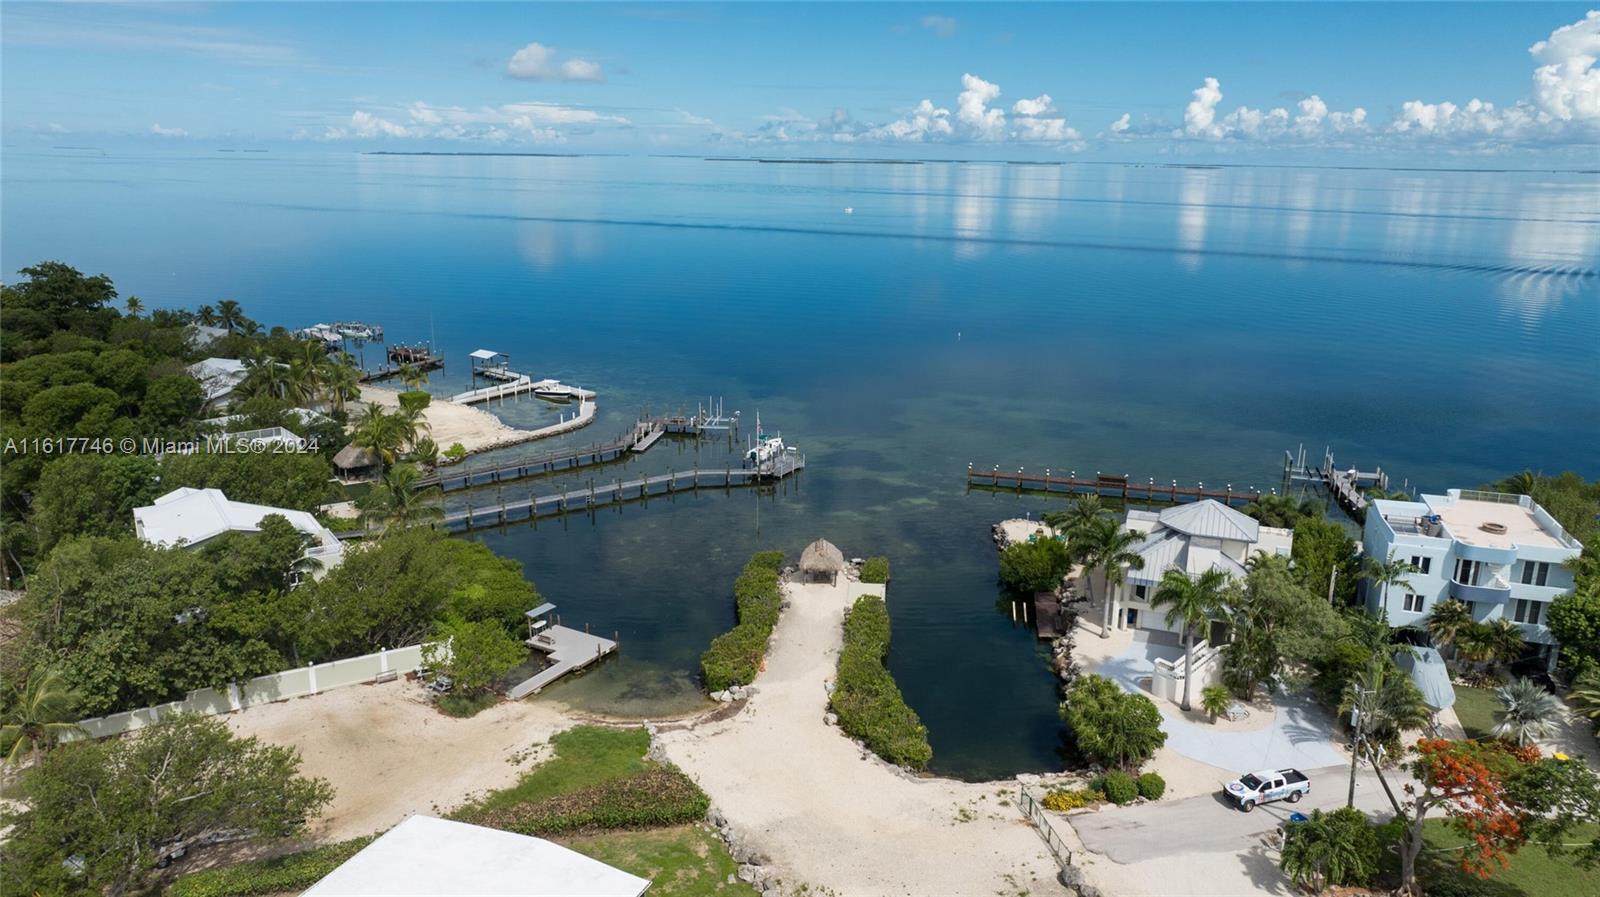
(135, 305)
(40, 717)
(1586, 695)
(1105, 546)
(377, 429)
(1527, 712)
(1192, 603)
(206, 316)
(412, 376)
(1382, 703)
(1385, 573)
(396, 502)
(1083, 512)
(264, 376)
(230, 315)
(341, 385)
(1447, 620)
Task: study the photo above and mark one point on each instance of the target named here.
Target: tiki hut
(355, 464)
(821, 562)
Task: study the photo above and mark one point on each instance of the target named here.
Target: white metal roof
(217, 376)
(1211, 518)
(484, 354)
(192, 516)
(1165, 551)
(439, 858)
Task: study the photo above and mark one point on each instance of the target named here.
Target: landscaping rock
(831, 719)
(747, 873)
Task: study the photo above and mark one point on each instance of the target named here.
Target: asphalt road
(1210, 824)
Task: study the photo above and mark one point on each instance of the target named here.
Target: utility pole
(1333, 574)
(1355, 748)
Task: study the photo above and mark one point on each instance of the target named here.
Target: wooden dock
(521, 384)
(1346, 486)
(535, 506)
(392, 369)
(1107, 486)
(568, 650)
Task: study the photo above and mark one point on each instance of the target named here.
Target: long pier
(1346, 486)
(641, 437)
(521, 384)
(1107, 486)
(431, 363)
(613, 493)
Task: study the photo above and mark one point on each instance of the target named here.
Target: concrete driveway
(1299, 734)
(1209, 824)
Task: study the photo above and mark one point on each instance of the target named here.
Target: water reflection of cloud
(976, 187)
(1302, 200)
(545, 244)
(1032, 188)
(1194, 191)
(1554, 234)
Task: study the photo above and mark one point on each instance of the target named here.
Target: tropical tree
(1112, 727)
(1527, 712)
(1278, 626)
(385, 433)
(425, 453)
(39, 718)
(1215, 700)
(1586, 694)
(135, 305)
(1447, 620)
(1036, 566)
(265, 376)
(1282, 510)
(1190, 603)
(412, 376)
(1104, 545)
(230, 315)
(1083, 512)
(341, 383)
(1574, 621)
(1338, 848)
(1383, 574)
(1382, 703)
(395, 500)
(206, 315)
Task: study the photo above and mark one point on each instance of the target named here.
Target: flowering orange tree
(1473, 785)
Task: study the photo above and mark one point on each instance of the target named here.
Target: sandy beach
(477, 430)
(827, 813)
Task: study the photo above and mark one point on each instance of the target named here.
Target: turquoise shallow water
(1170, 322)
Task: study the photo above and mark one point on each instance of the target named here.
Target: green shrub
(875, 570)
(865, 697)
(659, 796)
(1152, 786)
(1337, 848)
(1109, 726)
(292, 872)
(1215, 700)
(734, 657)
(1119, 787)
(1037, 566)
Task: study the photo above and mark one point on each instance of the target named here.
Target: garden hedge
(865, 697)
(734, 657)
(292, 872)
(875, 570)
(655, 797)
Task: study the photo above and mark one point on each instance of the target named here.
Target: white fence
(295, 683)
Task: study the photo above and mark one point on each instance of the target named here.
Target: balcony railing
(1486, 594)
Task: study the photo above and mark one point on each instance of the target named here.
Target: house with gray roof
(1194, 538)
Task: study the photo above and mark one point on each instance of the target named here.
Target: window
(1529, 611)
(1138, 592)
(1421, 562)
(1413, 603)
(1535, 573)
(1466, 572)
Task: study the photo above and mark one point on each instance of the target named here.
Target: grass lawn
(1533, 872)
(1476, 707)
(584, 755)
(681, 860)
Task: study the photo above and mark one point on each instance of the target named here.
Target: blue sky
(1378, 81)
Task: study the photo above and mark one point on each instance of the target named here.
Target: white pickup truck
(1267, 785)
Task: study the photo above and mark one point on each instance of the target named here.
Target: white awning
(485, 354)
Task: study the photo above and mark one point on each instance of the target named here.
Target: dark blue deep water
(1172, 322)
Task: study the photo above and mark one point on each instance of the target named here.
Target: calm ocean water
(1183, 323)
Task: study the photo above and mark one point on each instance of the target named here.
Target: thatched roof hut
(356, 463)
(822, 561)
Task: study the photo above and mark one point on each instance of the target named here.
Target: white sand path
(830, 816)
(475, 429)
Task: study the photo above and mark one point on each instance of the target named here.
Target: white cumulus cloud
(537, 62)
(973, 111)
(926, 122)
(537, 122)
(1122, 124)
(1311, 121)
(160, 131)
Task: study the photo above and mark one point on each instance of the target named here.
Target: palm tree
(207, 316)
(395, 501)
(1586, 695)
(341, 383)
(425, 452)
(135, 305)
(1382, 703)
(1447, 620)
(1083, 512)
(40, 716)
(1104, 545)
(1191, 602)
(1386, 573)
(1506, 644)
(384, 433)
(264, 376)
(412, 376)
(1527, 713)
(229, 314)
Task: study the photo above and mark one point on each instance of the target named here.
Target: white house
(191, 517)
(1501, 555)
(1193, 538)
(218, 378)
(428, 857)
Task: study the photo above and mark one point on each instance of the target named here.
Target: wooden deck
(454, 480)
(1106, 486)
(1347, 486)
(521, 384)
(433, 363)
(568, 650)
(616, 492)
